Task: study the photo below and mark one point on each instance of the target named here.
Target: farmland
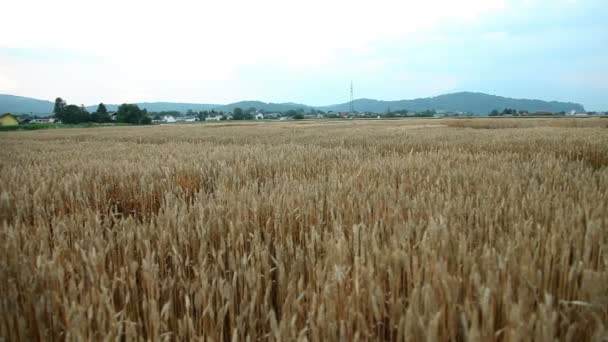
(418, 229)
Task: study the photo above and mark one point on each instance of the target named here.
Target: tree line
(73, 114)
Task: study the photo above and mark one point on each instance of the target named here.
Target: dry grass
(493, 123)
(361, 230)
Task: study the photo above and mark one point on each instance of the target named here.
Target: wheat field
(398, 230)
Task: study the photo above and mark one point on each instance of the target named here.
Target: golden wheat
(403, 230)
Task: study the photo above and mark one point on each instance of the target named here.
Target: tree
(295, 114)
(427, 113)
(72, 114)
(131, 113)
(101, 114)
(59, 106)
(508, 111)
(240, 114)
(494, 112)
(390, 114)
(202, 115)
(237, 114)
(101, 109)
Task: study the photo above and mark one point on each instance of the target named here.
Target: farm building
(272, 115)
(43, 120)
(186, 119)
(215, 118)
(8, 120)
(259, 116)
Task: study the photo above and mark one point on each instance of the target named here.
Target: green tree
(202, 115)
(508, 111)
(131, 113)
(427, 113)
(59, 107)
(101, 114)
(101, 109)
(238, 114)
(295, 114)
(72, 114)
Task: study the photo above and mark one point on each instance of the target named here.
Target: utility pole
(352, 98)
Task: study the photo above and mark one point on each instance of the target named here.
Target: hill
(24, 105)
(268, 107)
(162, 106)
(184, 107)
(468, 102)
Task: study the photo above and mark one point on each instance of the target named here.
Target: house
(8, 120)
(572, 112)
(259, 116)
(186, 119)
(169, 119)
(215, 118)
(43, 120)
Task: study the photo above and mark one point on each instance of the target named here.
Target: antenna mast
(352, 99)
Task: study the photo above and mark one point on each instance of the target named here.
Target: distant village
(175, 117)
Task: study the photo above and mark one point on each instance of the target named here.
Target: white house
(272, 115)
(214, 118)
(43, 120)
(259, 116)
(169, 119)
(186, 119)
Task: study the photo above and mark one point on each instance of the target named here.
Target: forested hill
(24, 105)
(467, 102)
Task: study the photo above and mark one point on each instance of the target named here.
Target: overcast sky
(303, 51)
